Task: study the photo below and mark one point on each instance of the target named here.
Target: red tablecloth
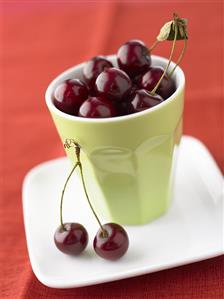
(39, 39)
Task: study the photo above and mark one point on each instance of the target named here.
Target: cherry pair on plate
(111, 241)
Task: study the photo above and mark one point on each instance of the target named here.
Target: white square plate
(192, 230)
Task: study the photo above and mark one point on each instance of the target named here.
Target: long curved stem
(104, 232)
(154, 45)
(170, 58)
(70, 143)
(180, 57)
(62, 195)
(87, 197)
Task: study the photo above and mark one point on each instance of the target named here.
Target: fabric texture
(40, 39)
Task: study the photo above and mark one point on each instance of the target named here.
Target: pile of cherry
(108, 91)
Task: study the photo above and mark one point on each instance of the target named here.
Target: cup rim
(51, 87)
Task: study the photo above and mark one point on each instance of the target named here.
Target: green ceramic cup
(128, 161)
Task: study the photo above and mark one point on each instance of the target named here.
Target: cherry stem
(170, 58)
(62, 195)
(77, 150)
(154, 45)
(180, 57)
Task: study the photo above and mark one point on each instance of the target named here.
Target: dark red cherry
(72, 239)
(132, 92)
(150, 79)
(133, 57)
(97, 107)
(113, 244)
(143, 100)
(69, 95)
(113, 84)
(136, 80)
(124, 108)
(93, 68)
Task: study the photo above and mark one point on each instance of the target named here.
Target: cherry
(69, 95)
(124, 108)
(133, 90)
(133, 57)
(152, 76)
(71, 238)
(112, 242)
(113, 84)
(143, 100)
(97, 107)
(136, 80)
(93, 68)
